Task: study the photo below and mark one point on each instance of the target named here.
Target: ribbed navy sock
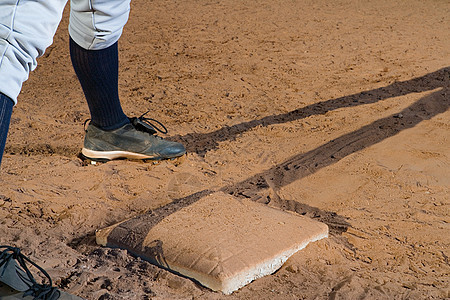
(98, 73)
(6, 107)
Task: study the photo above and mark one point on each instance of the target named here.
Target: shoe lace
(143, 123)
(38, 291)
(149, 125)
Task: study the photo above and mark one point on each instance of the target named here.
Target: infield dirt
(337, 110)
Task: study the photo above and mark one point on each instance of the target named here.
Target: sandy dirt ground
(337, 110)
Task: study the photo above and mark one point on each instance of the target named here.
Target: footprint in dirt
(182, 185)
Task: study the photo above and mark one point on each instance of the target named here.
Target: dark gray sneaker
(136, 140)
(18, 282)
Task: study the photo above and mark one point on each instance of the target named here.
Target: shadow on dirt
(201, 143)
(263, 187)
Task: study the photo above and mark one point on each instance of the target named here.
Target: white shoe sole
(110, 155)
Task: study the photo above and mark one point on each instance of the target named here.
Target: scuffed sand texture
(337, 110)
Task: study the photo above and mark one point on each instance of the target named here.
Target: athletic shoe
(17, 281)
(135, 140)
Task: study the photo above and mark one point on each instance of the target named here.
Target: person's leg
(26, 30)
(97, 71)
(6, 107)
(95, 27)
(94, 30)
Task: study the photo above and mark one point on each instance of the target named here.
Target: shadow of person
(264, 186)
(304, 164)
(201, 143)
